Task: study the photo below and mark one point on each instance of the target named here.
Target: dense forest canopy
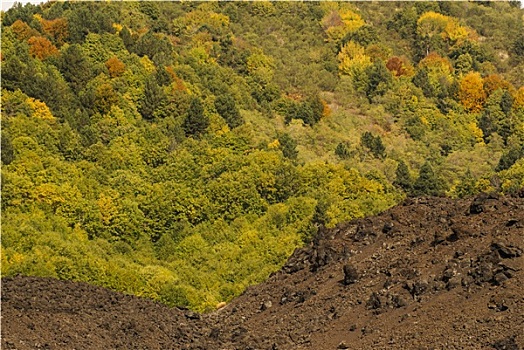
(182, 150)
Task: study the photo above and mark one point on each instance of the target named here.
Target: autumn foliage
(519, 98)
(115, 67)
(338, 23)
(398, 66)
(41, 48)
(434, 61)
(56, 28)
(22, 30)
(494, 82)
(471, 92)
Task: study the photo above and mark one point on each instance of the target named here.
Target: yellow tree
(436, 29)
(338, 23)
(439, 70)
(519, 98)
(260, 66)
(471, 92)
(353, 60)
(40, 110)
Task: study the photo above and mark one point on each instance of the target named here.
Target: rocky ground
(431, 273)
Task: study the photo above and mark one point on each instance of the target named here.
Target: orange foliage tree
(471, 92)
(41, 48)
(115, 67)
(399, 66)
(22, 30)
(56, 28)
(494, 82)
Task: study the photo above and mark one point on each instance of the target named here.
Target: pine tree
(379, 79)
(196, 122)
(127, 38)
(374, 144)
(342, 151)
(421, 80)
(427, 182)
(378, 149)
(75, 67)
(226, 107)
(153, 98)
(403, 178)
(288, 146)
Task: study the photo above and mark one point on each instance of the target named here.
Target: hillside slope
(181, 151)
(430, 273)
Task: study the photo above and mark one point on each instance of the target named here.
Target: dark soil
(431, 273)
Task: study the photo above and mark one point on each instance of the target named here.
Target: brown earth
(431, 273)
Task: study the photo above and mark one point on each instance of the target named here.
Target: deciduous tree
(471, 92)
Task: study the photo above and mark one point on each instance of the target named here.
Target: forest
(181, 151)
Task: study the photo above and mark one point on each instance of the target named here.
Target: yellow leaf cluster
(107, 207)
(326, 110)
(432, 23)
(261, 66)
(471, 92)
(339, 23)
(476, 131)
(273, 145)
(118, 27)
(148, 65)
(40, 110)
(352, 59)
(519, 97)
(48, 193)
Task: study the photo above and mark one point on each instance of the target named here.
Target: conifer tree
(226, 107)
(288, 146)
(427, 182)
(403, 178)
(196, 122)
(153, 98)
(342, 151)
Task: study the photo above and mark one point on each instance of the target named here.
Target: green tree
(128, 39)
(427, 183)
(510, 157)
(195, 122)
(7, 151)
(152, 100)
(379, 79)
(342, 150)
(466, 187)
(226, 107)
(373, 144)
(421, 80)
(403, 177)
(288, 146)
(75, 67)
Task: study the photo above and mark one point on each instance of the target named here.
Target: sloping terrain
(431, 273)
